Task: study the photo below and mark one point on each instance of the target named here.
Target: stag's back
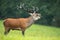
(16, 23)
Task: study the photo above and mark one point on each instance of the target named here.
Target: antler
(24, 7)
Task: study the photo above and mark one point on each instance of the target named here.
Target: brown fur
(15, 24)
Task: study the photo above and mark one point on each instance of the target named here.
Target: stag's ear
(30, 13)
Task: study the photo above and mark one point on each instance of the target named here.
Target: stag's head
(35, 16)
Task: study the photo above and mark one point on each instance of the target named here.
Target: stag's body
(20, 23)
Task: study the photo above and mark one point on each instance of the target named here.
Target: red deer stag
(20, 23)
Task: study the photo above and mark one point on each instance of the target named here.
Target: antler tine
(21, 5)
(17, 6)
(34, 9)
(37, 8)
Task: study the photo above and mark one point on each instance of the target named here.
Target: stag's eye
(37, 15)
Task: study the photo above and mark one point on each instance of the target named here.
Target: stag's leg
(23, 32)
(7, 29)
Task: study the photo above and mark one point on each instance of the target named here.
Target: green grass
(35, 32)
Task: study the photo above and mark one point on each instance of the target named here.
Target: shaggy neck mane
(30, 21)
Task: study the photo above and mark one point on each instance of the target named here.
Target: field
(35, 32)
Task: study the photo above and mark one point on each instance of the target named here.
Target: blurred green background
(49, 9)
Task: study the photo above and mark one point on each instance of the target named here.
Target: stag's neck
(30, 21)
